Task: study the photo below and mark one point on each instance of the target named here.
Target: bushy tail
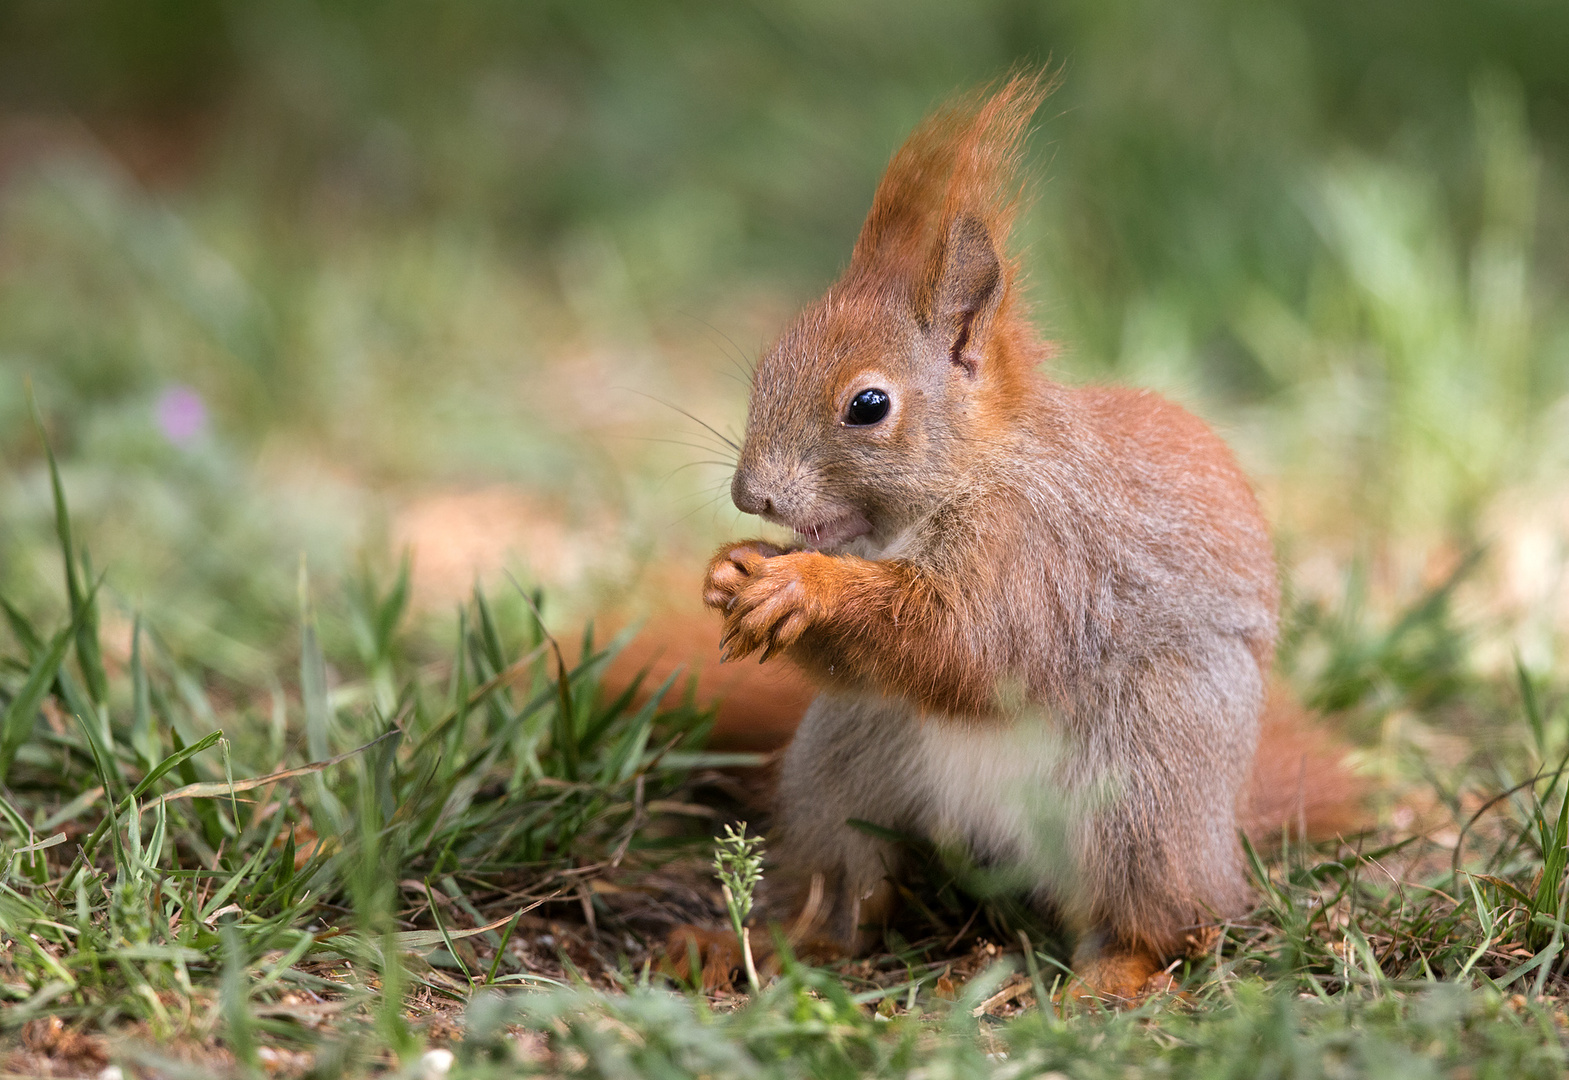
(759, 706)
(1300, 784)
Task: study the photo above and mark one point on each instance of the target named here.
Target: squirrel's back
(1193, 506)
(1097, 531)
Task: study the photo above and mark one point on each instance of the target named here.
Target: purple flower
(182, 415)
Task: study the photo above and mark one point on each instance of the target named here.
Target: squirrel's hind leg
(851, 762)
(1114, 972)
(827, 885)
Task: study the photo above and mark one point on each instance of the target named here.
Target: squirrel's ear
(966, 290)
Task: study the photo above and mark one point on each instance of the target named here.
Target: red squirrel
(1041, 619)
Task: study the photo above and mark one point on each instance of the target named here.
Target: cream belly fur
(993, 789)
(996, 789)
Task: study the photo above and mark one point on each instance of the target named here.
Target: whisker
(748, 369)
(673, 442)
(716, 490)
(697, 509)
(727, 441)
(671, 475)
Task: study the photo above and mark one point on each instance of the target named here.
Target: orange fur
(1021, 602)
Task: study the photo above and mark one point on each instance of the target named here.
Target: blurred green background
(337, 279)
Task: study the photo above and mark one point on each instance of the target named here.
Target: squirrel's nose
(745, 493)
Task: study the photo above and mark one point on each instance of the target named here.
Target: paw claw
(768, 598)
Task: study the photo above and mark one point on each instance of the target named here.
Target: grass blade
(1555, 855)
(84, 611)
(144, 733)
(17, 724)
(446, 938)
(313, 676)
(217, 789)
(23, 629)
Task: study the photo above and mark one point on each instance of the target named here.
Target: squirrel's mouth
(832, 532)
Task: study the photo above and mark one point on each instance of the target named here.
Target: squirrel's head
(888, 390)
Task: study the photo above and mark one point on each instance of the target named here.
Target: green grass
(401, 846)
(160, 872)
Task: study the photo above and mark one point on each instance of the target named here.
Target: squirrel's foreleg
(850, 621)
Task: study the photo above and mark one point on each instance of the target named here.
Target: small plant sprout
(738, 863)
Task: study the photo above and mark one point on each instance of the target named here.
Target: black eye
(867, 407)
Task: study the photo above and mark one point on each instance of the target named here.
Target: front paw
(731, 567)
(778, 601)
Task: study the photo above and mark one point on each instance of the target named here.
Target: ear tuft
(968, 287)
(938, 228)
(963, 160)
